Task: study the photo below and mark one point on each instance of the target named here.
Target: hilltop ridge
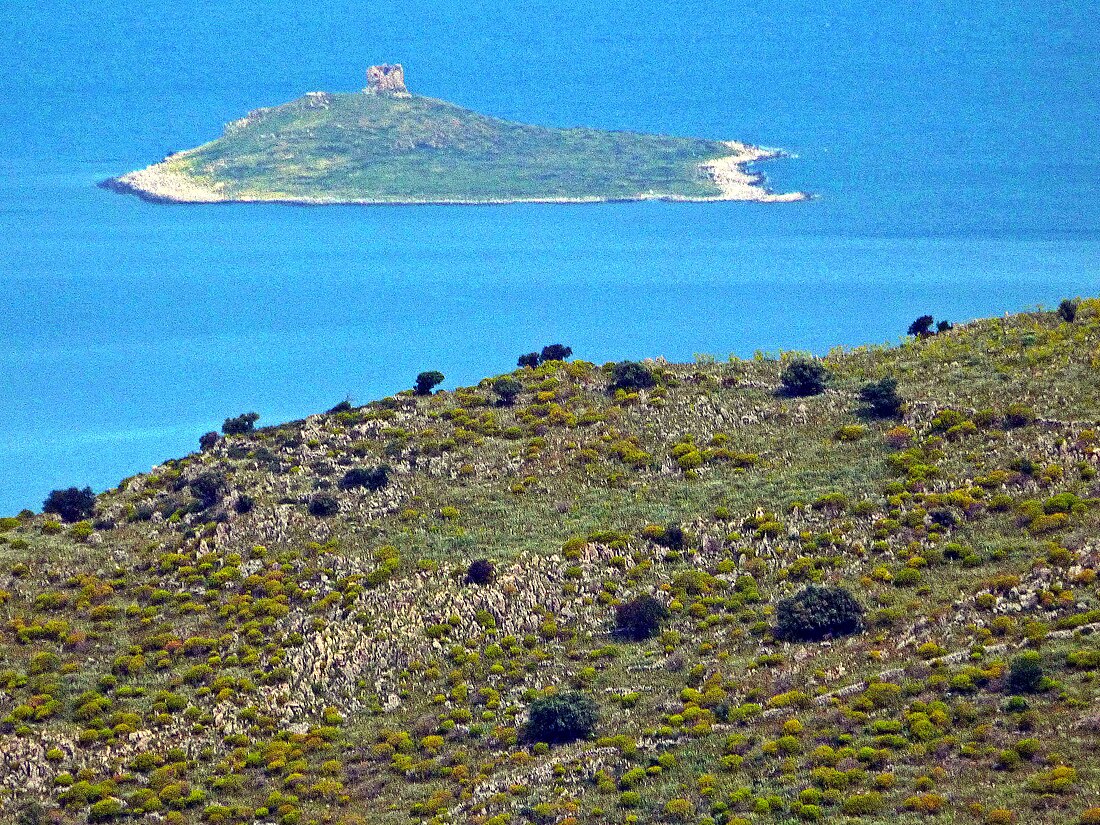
(354, 617)
(385, 145)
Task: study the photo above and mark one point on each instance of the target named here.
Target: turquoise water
(954, 149)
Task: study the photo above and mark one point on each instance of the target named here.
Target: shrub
(507, 388)
(1091, 816)
(243, 423)
(1067, 310)
(1019, 415)
(818, 613)
(322, 505)
(71, 504)
(531, 359)
(1025, 673)
(944, 326)
(427, 381)
(680, 810)
(881, 397)
(861, 804)
(244, 504)
(630, 375)
(209, 488)
(562, 717)
(480, 571)
(208, 440)
(555, 352)
(373, 478)
(640, 618)
(804, 377)
(921, 327)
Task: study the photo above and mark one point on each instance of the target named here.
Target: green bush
(804, 377)
(373, 478)
(508, 389)
(1067, 310)
(1025, 673)
(71, 504)
(243, 423)
(640, 618)
(818, 613)
(630, 375)
(560, 718)
(881, 397)
(427, 381)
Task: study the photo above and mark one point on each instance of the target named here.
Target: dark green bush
(71, 505)
(560, 718)
(640, 618)
(530, 359)
(243, 423)
(427, 381)
(508, 389)
(373, 478)
(208, 440)
(322, 505)
(804, 377)
(209, 488)
(818, 613)
(630, 375)
(1025, 673)
(555, 352)
(480, 571)
(881, 397)
(921, 327)
(1067, 310)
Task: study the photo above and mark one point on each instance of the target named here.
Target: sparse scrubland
(727, 597)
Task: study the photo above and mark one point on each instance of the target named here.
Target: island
(387, 146)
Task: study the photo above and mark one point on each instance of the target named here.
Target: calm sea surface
(954, 146)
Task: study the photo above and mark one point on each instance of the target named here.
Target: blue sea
(955, 147)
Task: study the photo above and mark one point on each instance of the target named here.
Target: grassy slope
(303, 667)
(383, 148)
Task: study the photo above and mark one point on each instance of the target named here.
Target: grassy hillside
(274, 631)
(379, 147)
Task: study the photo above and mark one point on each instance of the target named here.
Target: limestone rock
(388, 79)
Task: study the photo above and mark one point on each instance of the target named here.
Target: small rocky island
(385, 145)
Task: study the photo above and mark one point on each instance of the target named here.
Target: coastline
(161, 183)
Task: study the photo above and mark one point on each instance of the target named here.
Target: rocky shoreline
(165, 183)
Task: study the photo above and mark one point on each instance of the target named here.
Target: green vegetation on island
(856, 589)
(387, 146)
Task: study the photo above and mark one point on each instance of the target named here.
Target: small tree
(817, 613)
(560, 718)
(322, 505)
(555, 352)
(944, 326)
(531, 359)
(922, 327)
(881, 397)
(209, 488)
(71, 504)
(208, 440)
(373, 478)
(427, 381)
(480, 571)
(1025, 673)
(343, 406)
(630, 375)
(508, 389)
(803, 377)
(1067, 310)
(243, 423)
(640, 618)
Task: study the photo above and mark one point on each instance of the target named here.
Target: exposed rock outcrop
(388, 78)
